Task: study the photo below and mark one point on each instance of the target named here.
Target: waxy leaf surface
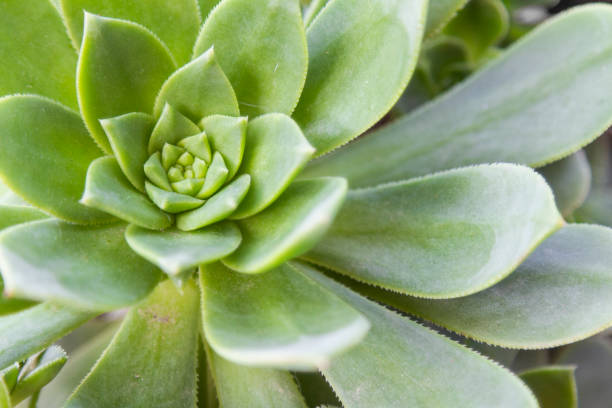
(17, 214)
(227, 135)
(35, 51)
(559, 67)
(362, 54)
(121, 68)
(45, 154)
(151, 362)
(279, 319)
(261, 46)
(47, 366)
(445, 235)
(440, 12)
(416, 366)
(88, 267)
(559, 295)
(553, 386)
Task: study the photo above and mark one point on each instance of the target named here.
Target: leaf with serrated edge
(283, 319)
(176, 22)
(45, 154)
(265, 60)
(478, 123)
(109, 190)
(290, 226)
(177, 251)
(240, 386)
(362, 55)
(170, 201)
(553, 386)
(153, 352)
(88, 267)
(441, 236)
(413, 364)
(49, 365)
(121, 68)
(559, 295)
(31, 330)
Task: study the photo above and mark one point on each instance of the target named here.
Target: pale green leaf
(440, 12)
(17, 214)
(171, 128)
(217, 208)
(5, 395)
(227, 136)
(362, 55)
(129, 137)
(47, 366)
(276, 151)
(313, 10)
(206, 6)
(109, 190)
(279, 319)
(44, 157)
(261, 46)
(121, 68)
(8, 197)
(477, 122)
(403, 362)
(290, 226)
(570, 180)
(199, 89)
(559, 295)
(441, 236)
(175, 22)
(31, 330)
(155, 171)
(151, 361)
(88, 267)
(240, 386)
(177, 251)
(170, 201)
(36, 54)
(216, 176)
(553, 386)
(597, 208)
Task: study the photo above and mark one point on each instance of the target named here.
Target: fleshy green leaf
(155, 171)
(261, 46)
(31, 330)
(553, 386)
(417, 366)
(171, 128)
(170, 201)
(276, 151)
(313, 10)
(153, 353)
(441, 236)
(362, 54)
(476, 122)
(206, 6)
(176, 22)
(227, 136)
(88, 267)
(215, 177)
(109, 190)
(557, 296)
(199, 89)
(48, 365)
(217, 208)
(17, 214)
(5, 395)
(597, 208)
(45, 154)
(240, 386)
(570, 180)
(121, 68)
(129, 137)
(289, 227)
(440, 12)
(282, 319)
(177, 251)
(35, 51)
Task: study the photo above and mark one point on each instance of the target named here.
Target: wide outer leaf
(121, 68)
(290, 226)
(279, 319)
(151, 362)
(175, 22)
(401, 363)
(17, 214)
(261, 46)
(240, 386)
(559, 67)
(441, 236)
(35, 51)
(559, 295)
(45, 154)
(33, 329)
(553, 386)
(88, 267)
(362, 55)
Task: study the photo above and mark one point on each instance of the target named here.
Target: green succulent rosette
(190, 160)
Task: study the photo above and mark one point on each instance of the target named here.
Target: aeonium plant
(176, 163)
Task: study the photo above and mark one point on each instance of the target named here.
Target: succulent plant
(190, 160)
